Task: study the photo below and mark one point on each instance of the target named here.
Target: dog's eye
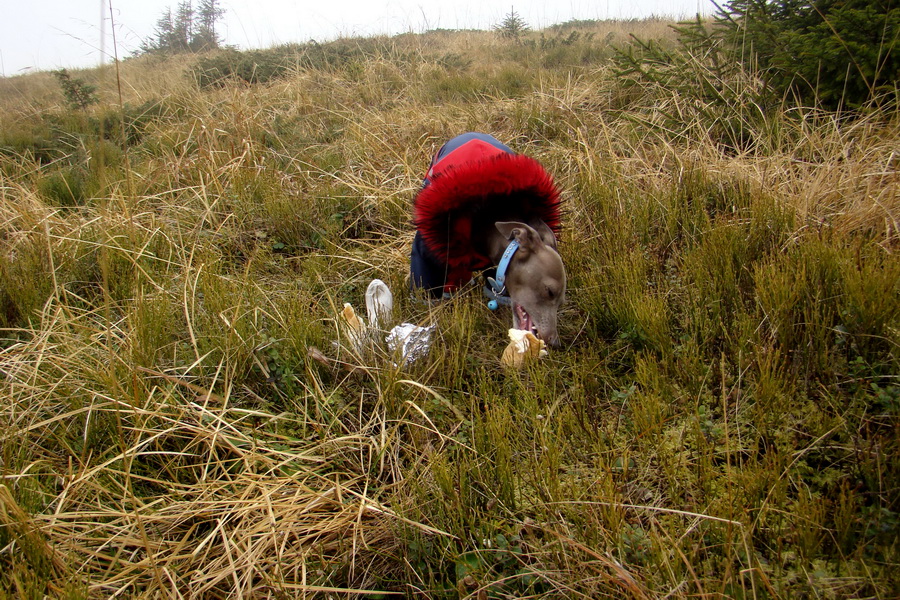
(550, 293)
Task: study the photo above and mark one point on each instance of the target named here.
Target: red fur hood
(498, 183)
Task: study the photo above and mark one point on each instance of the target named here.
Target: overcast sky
(49, 34)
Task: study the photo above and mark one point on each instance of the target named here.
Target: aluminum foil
(410, 342)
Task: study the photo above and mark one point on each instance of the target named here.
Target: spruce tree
(79, 95)
(831, 52)
(512, 26)
(187, 30)
(162, 37)
(184, 27)
(208, 12)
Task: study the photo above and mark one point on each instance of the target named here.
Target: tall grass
(184, 415)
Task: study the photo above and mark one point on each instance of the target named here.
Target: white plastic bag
(379, 304)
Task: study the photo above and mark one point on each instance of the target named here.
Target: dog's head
(535, 279)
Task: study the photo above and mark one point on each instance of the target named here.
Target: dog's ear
(528, 238)
(543, 230)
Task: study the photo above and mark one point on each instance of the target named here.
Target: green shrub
(831, 52)
(726, 80)
(253, 66)
(573, 48)
(64, 187)
(25, 281)
(30, 139)
(60, 137)
(696, 90)
(137, 120)
(451, 86)
(869, 308)
(263, 66)
(799, 294)
(79, 95)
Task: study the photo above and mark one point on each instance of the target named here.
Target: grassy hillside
(183, 415)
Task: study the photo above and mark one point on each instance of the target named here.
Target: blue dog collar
(504, 264)
(496, 291)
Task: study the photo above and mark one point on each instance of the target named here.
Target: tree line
(186, 29)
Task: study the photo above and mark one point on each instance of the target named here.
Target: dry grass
(183, 416)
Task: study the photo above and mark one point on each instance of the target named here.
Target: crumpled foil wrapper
(411, 341)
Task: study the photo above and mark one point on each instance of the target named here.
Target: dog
(482, 206)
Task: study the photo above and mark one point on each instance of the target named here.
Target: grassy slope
(722, 419)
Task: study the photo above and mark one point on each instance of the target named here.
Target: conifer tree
(79, 95)
(163, 35)
(184, 26)
(186, 30)
(208, 12)
(833, 52)
(512, 26)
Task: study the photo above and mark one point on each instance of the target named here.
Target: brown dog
(535, 278)
(483, 206)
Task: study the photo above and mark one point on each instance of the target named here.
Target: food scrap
(524, 347)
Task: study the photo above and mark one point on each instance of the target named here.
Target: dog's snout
(551, 339)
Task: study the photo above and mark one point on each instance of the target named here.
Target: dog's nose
(551, 340)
